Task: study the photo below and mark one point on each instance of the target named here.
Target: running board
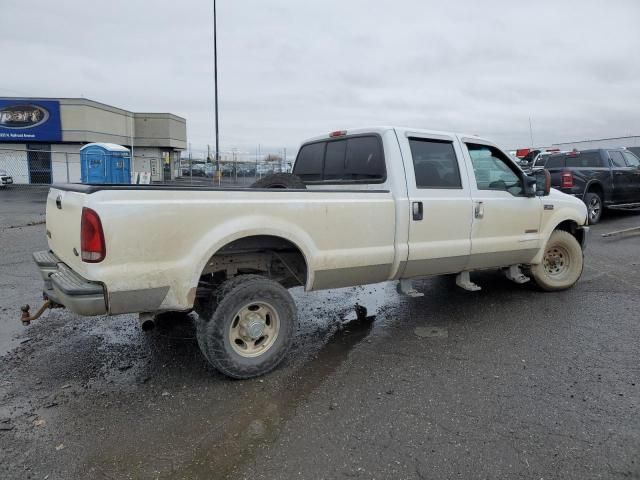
(625, 206)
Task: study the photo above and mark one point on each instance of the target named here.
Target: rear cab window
(356, 159)
(310, 162)
(555, 161)
(584, 160)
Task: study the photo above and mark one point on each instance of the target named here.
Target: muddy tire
(280, 180)
(248, 327)
(594, 207)
(562, 263)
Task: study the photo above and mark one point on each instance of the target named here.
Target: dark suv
(600, 177)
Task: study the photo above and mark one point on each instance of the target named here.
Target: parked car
(5, 179)
(246, 169)
(198, 170)
(265, 169)
(540, 160)
(380, 204)
(599, 177)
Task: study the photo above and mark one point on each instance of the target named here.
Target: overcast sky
(291, 69)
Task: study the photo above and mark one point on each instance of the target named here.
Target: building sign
(30, 120)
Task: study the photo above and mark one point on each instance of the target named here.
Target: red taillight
(91, 237)
(567, 180)
(338, 133)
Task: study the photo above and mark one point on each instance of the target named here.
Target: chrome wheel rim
(594, 208)
(556, 261)
(254, 329)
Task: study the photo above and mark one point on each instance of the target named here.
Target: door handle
(479, 210)
(416, 207)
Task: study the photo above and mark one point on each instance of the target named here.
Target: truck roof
(400, 130)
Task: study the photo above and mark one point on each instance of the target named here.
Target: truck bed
(159, 238)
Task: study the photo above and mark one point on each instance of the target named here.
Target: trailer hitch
(26, 318)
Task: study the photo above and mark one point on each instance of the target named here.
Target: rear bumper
(65, 287)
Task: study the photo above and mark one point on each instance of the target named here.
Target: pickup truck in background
(362, 206)
(600, 177)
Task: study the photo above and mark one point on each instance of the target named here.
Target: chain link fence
(27, 174)
(30, 169)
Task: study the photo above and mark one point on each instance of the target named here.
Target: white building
(40, 138)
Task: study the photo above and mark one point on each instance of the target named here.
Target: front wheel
(562, 263)
(250, 328)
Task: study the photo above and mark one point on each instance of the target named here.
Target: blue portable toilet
(105, 163)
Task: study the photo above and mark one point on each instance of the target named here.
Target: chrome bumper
(65, 287)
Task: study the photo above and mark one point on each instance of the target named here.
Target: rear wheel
(248, 327)
(594, 207)
(562, 263)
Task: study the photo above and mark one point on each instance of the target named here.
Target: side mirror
(530, 186)
(543, 183)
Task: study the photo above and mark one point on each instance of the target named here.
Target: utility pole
(215, 75)
(530, 132)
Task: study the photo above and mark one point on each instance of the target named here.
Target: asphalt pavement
(508, 382)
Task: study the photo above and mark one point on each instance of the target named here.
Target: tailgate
(64, 212)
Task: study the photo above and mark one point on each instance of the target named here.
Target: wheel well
(572, 227)
(596, 188)
(271, 256)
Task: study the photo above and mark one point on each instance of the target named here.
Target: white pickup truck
(362, 206)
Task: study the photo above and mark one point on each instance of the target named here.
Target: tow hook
(26, 318)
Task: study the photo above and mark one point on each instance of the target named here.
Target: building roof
(112, 147)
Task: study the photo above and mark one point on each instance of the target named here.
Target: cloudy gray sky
(291, 69)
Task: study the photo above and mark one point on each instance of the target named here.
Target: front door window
(493, 171)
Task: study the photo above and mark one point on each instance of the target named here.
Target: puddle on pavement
(219, 425)
(259, 423)
(272, 403)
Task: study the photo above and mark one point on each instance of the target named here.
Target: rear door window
(434, 163)
(350, 160)
(617, 160)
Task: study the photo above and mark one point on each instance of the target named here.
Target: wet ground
(508, 382)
